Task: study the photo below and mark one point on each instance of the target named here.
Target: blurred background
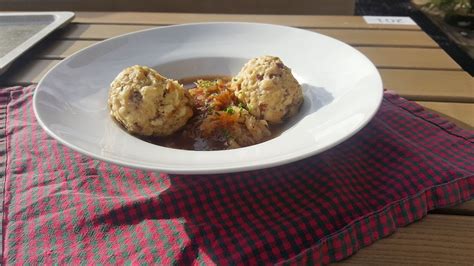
(335, 7)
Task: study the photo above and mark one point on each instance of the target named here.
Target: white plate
(342, 91)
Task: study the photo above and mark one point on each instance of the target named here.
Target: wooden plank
(435, 240)
(97, 31)
(466, 208)
(351, 36)
(411, 84)
(462, 114)
(383, 57)
(53, 49)
(430, 85)
(149, 18)
(416, 85)
(362, 37)
(417, 58)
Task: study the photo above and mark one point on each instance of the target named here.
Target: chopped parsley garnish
(206, 83)
(229, 110)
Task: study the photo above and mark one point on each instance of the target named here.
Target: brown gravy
(179, 140)
(184, 142)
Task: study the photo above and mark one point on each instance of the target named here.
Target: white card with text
(389, 20)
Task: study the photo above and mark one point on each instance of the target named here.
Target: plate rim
(214, 170)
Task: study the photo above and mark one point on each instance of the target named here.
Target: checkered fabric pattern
(61, 207)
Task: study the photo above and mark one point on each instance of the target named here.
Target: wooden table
(410, 63)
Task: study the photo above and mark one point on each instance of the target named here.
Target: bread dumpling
(148, 104)
(269, 89)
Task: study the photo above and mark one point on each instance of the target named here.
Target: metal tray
(19, 31)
